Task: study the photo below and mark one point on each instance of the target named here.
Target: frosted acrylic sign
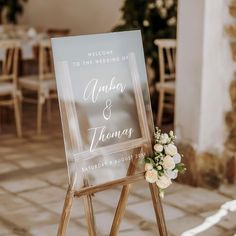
(104, 103)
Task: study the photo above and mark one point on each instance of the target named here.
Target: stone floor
(33, 180)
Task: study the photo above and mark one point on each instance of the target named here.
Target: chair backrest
(46, 70)
(58, 32)
(167, 58)
(9, 60)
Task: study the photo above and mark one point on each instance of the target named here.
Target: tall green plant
(155, 18)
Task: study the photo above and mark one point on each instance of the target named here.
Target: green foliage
(149, 160)
(180, 167)
(155, 18)
(13, 8)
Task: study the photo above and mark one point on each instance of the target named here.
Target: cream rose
(164, 138)
(158, 147)
(159, 3)
(169, 3)
(146, 23)
(163, 182)
(148, 167)
(177, 158)
(151, 176)
(172, 174)
(170, 149)
(168, 163)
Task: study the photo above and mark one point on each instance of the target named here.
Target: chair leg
(49, 109)
(17, 116)
(0, 120)
(160, 107)
(39, 113)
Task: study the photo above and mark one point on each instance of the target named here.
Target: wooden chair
(43, 84)
(9, 95)
(58, 32)
(166, 85)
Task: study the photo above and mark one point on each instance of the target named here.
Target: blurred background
(190, 49)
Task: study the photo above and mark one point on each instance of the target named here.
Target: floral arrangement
(165, 163)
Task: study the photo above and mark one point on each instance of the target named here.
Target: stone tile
(4, 229)
(176, 187)
(136, 233)
(7, 167)
(77, 207)
(41, 217)
(2, 191)
(111, 197)
(104, 222)
(10, 235)
(31, 216)
(32, 162)
(51, 230)
(6, 150)
(55, 158)
(142, 210)
(11, 202)
(15, 156)
(44, 195)
(180, 225)
(229, 190)
(196, 201)
(141, 190)
(57, 177)
(22, 184)
(172, 213)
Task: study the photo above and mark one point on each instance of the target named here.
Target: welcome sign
(104, 104)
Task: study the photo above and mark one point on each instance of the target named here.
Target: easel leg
(158, 210)
(65, 217)
(89, 215)
(120, 210)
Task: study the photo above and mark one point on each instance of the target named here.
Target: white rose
(170, 149)
(146, 23)
(172, 174)
(148, 167)
(177, 158)
(171, 133)
(158, 147)
(164, 138)
(159, 3)
(151, 176)
(169, 3)
(168, 163)
(163, 182)
(171, 21)
(151, 5)
(163, 13)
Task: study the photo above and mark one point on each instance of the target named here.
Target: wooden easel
(87, 191)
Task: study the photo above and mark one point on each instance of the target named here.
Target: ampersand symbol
(107, 110)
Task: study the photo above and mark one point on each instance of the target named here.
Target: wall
(204, 72)
(81, 16)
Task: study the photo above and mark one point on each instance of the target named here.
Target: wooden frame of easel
(87, 191)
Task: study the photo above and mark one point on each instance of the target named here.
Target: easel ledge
(101, 187)
(87, 192)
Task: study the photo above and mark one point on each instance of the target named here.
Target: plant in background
(12, 8)
(165, 164)
(155, 18)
